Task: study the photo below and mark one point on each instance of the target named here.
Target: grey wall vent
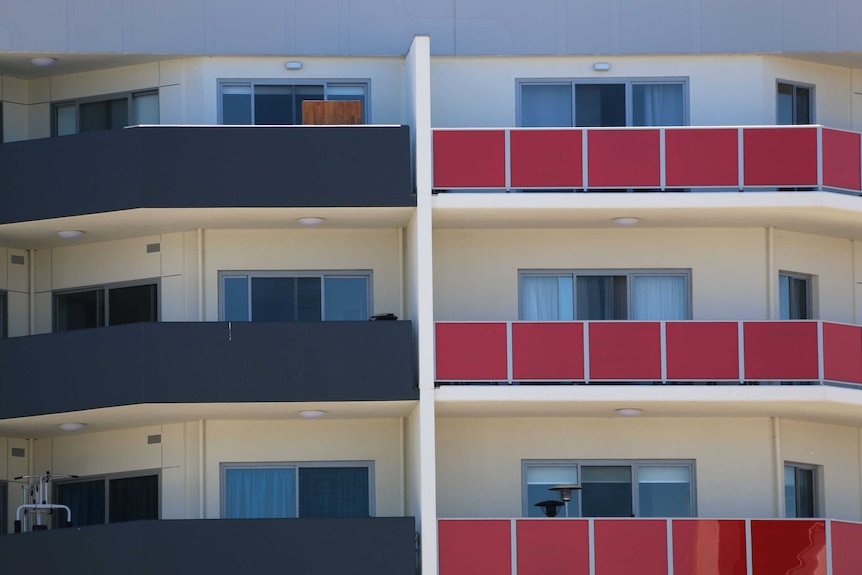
(17, 452)
(19, 260)
(152, 439)
(154, 248)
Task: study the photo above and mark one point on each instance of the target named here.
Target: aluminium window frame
(812, 100)
(817, 482)
(326, 82)
(628, 81)
(77, 102)
(106, 287)
(297, 465)
(629, 273)
(107, 477)
(634, 464)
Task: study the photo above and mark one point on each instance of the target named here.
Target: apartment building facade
(576, 290)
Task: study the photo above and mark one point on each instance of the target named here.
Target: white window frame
(634, 465)
(627, 82)
(629, 274)
(816, 482)
(810, 288)
(327, 83)
(77, 102)
(106, 288)
(106, 478)
(812, 91)
(296, 465)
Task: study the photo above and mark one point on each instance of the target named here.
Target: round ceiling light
(43, 61)
(629, 412)
(311, 413)
(72, 426)
(70, 234)
(626, 222)
(310, 221)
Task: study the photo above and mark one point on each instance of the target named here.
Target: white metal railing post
(586, 352)
(507, 139)
(514, 545)
(820, 360)
(662, 159)
(591, 531)
(749, 563)
(828, 546)
(509, 350)
(740, 138)
(585, 159)
(669, 546)
(820, 157)
(663, 349)
(741, 350)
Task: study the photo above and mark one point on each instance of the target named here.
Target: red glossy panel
(709, 547)
(550, 547)
(546, 158)
(470, 159)
(785, 547)
(471, 351)
(626, 546)
(842, 352)
(699, 157)
(625, 350)
(702, 350)
(784, 350)
(624, 158)
(471, 547)
(551, 350)
(841, 159)
(846, 548)
(780, 156)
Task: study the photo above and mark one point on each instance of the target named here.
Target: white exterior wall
(479, 459)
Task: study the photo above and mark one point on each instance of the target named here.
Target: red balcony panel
(780, 156)
(624, 158)
(841, 159)
(842, 352)
(623, 547)
(625, 350)
(468, 547)
(553, 547)
(709, 547)
(470, 159)
(701, 157)
(702, 350)
(552, 350)
(471, 351)
(784, 350)
(846, 550)
(546, 158)
(784, 547)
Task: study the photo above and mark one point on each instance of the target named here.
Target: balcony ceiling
(18, 63)
(824, 213)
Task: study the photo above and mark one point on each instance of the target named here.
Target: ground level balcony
(206, 362)
(180, 547)
(649, 546)
(694, 158)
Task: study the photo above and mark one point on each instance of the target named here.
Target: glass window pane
(259, 493)
(545, 298)
(664, 491)
(145, 108)
(790, 491)
(306, 93)
(600, 105)
(273, 299)
(64, 117)
(133, 304)
(3, 512)
(784, 104)
(803, 105)
(133, 498)
(333, 492)
(783, 297)
(94, 116)
(346, 298)
(658, 105)
(86, 499)
(546, 105)
(236, 298)
(660, 297)
(80, 310)
(308, 298)
(602, 297)
(805, 492)
(540, 478)
(236, 104)
(273, 105)
(118, 113)
(793, 297)
(606, 491)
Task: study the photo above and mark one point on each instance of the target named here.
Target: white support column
(779, 467)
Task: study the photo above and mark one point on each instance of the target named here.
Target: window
(794, 296)
(273, 103)
(4, 315)
(604, 295)
(110, 499)
(584, 103)
(273, 490)
(800, 490)
(611, 488)
(295, 296)
(106, 305)
(105, 113)
(794, 104)
(4, 499)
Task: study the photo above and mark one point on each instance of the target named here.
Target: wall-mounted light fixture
(293, 65)
(601, 66)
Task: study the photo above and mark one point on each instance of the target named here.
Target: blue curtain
(333, 492)
(260, 493)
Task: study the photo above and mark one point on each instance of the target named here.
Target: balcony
(650, 159)
(325, 546)
(208, 362)
(649, 351)
(206, 167)
(649, 546)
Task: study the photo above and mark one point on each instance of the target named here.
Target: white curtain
(658, 105)
(546, 298)
(658, 297)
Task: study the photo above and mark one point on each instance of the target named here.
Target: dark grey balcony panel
(207, 362)
(206, 166)
(372, 546)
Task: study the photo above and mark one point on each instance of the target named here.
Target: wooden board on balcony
(333, 112)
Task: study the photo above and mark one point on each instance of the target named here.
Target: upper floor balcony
(750, 158)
